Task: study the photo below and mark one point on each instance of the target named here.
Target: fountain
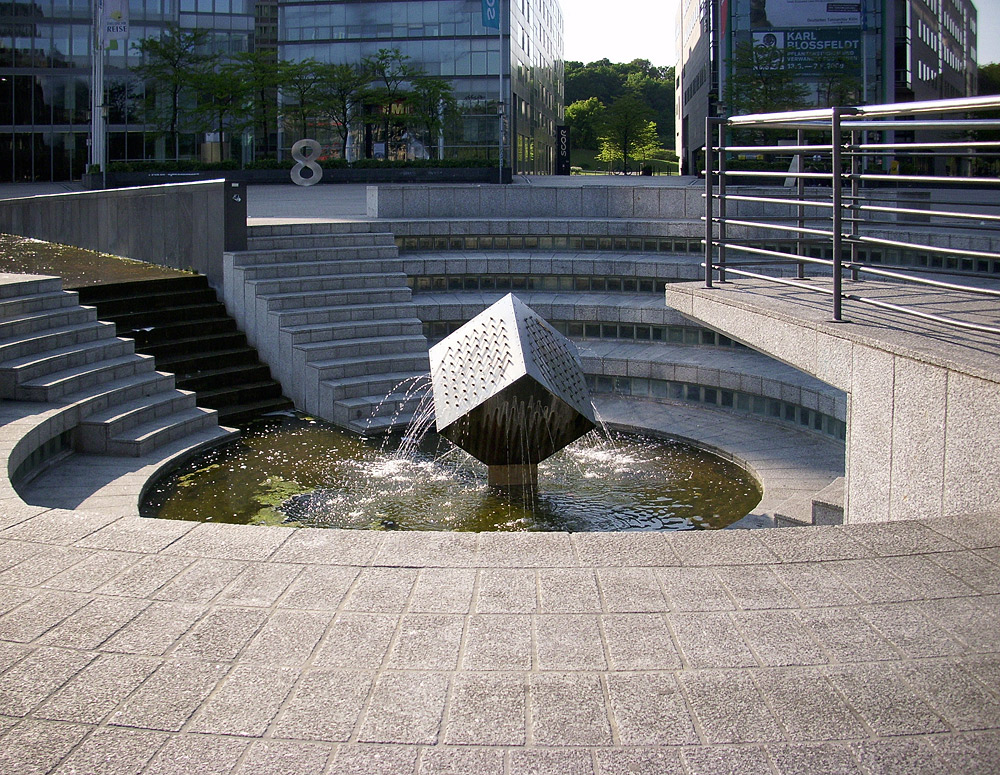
(509, 390)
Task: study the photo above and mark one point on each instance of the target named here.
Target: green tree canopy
(584, 119)
(628, 131)
(301, 93)
(432, 105)
(343, 91)
(172, 67)
(390, 72)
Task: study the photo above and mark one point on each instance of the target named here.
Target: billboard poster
(114, 19)
(816, 50)
(770, 14)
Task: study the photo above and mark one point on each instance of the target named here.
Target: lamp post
(98, 149)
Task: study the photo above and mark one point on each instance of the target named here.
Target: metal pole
(97, 153)
(855, 193)
(800, 194)
(722, 201)
(837, 197)
(500, 104)
(709, 163)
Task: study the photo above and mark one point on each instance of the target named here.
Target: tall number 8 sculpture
(305, 153)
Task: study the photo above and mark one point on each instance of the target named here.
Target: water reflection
(297, 471)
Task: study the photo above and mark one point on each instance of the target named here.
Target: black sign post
(562, 150)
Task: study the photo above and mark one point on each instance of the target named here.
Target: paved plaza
(132, 645)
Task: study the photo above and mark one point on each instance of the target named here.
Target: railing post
(722, 201)
(836, 181)
(800, 194)
(709, 165)
(855, 204)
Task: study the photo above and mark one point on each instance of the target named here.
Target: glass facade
(45, 80)
(45, 70)
(446, 39)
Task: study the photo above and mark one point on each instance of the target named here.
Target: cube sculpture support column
(509, 390)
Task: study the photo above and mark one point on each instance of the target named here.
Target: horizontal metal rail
(867, 178)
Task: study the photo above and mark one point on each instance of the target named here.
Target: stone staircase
(181, 322)
(329, 308)
(84, 389)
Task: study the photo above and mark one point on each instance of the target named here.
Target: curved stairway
(69, 384)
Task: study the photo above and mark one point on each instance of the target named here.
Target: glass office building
(446, 39)
(45, 70)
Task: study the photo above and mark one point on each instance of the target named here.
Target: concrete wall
(181, 226)
(922, 426)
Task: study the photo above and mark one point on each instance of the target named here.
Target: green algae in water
(297, 471)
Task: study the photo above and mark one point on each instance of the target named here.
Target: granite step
(145, 437)
(98, 430)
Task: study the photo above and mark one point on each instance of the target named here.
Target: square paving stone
(629, 761)
(974, 569)
(222, 634)
(282, 757)
(443, 590)
(12, 597)
(246, 701)
(11, 653)
(427, 642)
(872, 581)
(620, 550)
(649, 710)
(325, 705)
(460, 761)
(974, 531)
(814, 544)
(503, 591)
(568, 709)
(232, 542)
(878, 693)
(58, 526)
(710, 640)
(197, 754)
(568, 590)
(39, 614)
(287, 638)
(93, 624)
(382, 590)
(823, 759)
(357, 641)
(329, 547)
(137, 534)
(201, 581)
(895, 538)
(487, 709)
(964, 620)
(540, 762)
(37, 747)
(815, 585)
(427, 549)
(729, 707)
(807, 706)
(886, 757)
(319, 587)
(715, 547)
(43, 565)
(951, 691)
(756, 587)
(631, 590)
(778, 638)
(113, 751)
(695, 589)
(525, 550)
(498, 642)
(15, 552)
(92, 572)
(260, 584)
(32, 680)
(846, 636)
(155, 630)
(170, 696)
(971, 752)
(639, 642)
(716, 760)
(927, 578)
(375, 760)
(909, 630)
(98, 689)
(145, 577)
(569, 642)
(405, 708)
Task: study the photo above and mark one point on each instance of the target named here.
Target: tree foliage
(584, 119)
(761, 82)
(607, 81)
(432, 106)
(628, 132)
(343, 90)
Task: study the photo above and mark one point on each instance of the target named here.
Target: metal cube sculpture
(509, 390)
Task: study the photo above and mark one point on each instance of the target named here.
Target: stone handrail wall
(182, 226)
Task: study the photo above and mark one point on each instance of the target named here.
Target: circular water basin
(298, 471)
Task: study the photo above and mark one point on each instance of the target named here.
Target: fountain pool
(294, 470)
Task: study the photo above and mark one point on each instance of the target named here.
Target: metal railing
(912, 186)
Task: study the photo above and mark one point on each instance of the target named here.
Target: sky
(623, 30)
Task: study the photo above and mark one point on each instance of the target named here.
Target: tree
(390, 73)
(838, 80)
(261, 74)
(432, 103)
(628, 131)
(761, 82)
(301, 92)
(172, 65)
(607, 81)
(222, 97)
(584, 119)
(343, 90)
